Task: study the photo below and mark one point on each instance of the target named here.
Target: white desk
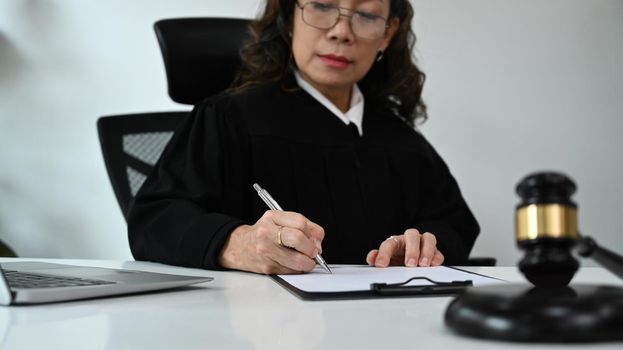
(246, 311)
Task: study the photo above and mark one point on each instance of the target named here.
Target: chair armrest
(481, 261)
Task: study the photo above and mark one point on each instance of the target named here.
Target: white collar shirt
(353, 115)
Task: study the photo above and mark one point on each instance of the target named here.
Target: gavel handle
(613, 262)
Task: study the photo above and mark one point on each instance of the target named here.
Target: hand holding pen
(272, 204)
(257, 248)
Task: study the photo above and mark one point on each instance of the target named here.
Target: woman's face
(335, 58)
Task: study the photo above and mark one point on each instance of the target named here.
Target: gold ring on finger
(279, 241)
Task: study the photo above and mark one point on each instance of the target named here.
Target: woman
(322, 116)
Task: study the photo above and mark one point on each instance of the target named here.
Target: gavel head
(546, 228)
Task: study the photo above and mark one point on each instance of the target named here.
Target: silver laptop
(31, 282)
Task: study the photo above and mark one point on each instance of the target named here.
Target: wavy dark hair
(395, 82)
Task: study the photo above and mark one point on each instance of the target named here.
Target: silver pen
(272, 204)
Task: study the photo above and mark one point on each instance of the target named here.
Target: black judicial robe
(360, 190)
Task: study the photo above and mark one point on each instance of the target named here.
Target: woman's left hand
(408, 249)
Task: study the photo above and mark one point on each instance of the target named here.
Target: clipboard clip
(454, 287)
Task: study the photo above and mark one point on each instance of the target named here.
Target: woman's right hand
(257, 248)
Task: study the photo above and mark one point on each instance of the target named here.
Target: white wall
(512, 87)
(520, 86)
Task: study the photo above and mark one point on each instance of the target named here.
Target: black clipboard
(384, 290)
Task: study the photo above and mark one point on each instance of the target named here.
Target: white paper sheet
(348, 278)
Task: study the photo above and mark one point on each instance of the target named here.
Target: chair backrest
(131, 146)
(201, 59)
(201, 55)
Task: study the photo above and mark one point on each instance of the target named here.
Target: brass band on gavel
(537, 221)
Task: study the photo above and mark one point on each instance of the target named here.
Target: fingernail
(380, 262)
(411, 262)
(424, 261)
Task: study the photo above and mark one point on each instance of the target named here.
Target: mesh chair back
(201, 55)
(131, 146)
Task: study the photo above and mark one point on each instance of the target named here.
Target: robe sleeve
(176, 217)
(445, 213)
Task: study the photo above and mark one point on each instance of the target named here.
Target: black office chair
(201, 58)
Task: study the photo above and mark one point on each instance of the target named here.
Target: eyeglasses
(323, 15)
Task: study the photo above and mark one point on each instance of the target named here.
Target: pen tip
(257, 187)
